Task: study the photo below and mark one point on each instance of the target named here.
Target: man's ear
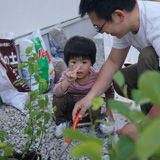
(118, 15)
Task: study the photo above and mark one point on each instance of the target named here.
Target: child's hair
(105, 8)
(78, 46)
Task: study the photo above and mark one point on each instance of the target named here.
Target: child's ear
(118, 16)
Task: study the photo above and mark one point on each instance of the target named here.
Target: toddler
(75, 83)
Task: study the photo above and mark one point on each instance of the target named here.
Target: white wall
(25, 16)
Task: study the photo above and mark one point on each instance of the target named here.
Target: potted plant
(37, 109)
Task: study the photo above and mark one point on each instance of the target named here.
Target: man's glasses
(100, 29)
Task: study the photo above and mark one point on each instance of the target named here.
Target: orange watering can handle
(77, 119)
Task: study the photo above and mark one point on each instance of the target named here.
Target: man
(131, 23)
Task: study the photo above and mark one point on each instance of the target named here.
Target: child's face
(84, 64)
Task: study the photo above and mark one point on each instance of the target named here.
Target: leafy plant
(38, 112)
(147, 145)
(5, 148)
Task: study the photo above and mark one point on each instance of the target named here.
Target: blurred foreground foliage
(147, 145)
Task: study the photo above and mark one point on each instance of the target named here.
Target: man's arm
(154, 112)
(103, 81)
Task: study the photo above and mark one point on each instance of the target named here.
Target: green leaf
(33, 114)
(36, 57)
(31, 60)
(137, 115)
(4, 134)
(42, 81)
(34, 122)
(126, 148)
(34, 138)
(42, 90)
(119, 78)
(34, 95)
(148, 140)
(35, 68)
(45, 121)
(119, 107)
(39, 72)
(97, 102)
(45, 85)
(25, 62)
(37, 77)
(28, 105)
(46, 100)
(30, 69)
(2, 139)
(89, 149)
(39, 115)
(20, 82)
(8, 150)
(53, 115)
(139, 97)
(2, 145)
(15, 81)
(39, 124)
(47, 115)
(40, 67)
(41, 103)
(34, 84)
(103, 122)
(28, 130)
(86, 148)
(132, 115)
(54, 108)
(22, 65)
(28, 50)
(43, 129)
(38, 133)
(74, 134)
(15, 65)
(149, 84)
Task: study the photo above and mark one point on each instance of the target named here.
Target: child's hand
(72, 74)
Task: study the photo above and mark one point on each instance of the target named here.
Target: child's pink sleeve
(57, 88)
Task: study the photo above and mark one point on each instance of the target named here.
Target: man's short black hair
(105, 8)
(78, 46)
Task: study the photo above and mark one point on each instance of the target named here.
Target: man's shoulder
(149, 6)
(149, 15)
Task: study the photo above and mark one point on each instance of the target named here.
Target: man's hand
(130, 130)
(84, 104)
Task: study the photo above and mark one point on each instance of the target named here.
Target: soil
(28, 156)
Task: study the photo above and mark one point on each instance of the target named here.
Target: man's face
(114, 27)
